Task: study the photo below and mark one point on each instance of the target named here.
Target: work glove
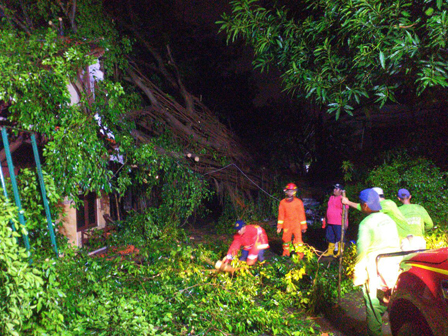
(226, 260)
(220, 263)
(324, 223)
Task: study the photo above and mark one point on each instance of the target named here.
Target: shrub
(33, 211)
(426, 183)
(28, 293)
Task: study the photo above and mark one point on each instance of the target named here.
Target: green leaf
(382, 60)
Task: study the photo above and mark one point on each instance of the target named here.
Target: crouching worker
(254, 241)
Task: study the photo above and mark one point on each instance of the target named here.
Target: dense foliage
(427, 185)
(29, 295)
(344, 53)
(33, 208)
(45, 49)
(168, 287)
(40, 57)
(425, 181)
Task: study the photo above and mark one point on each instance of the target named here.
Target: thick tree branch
(159, 61)
(189, 103)
(13, 146)
(137, 80)
(72, 17)
(70, 13)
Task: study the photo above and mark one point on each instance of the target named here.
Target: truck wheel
(414, 328)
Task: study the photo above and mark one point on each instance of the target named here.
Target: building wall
(69, 228)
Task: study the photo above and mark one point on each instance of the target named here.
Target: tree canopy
(45, 48)
(346, 53)
(139, 127)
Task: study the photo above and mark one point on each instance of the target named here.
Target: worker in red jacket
(291, 219)
(252, 238)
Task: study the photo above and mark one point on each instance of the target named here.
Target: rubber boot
(338, 252)
(286, 250)
(330, 250)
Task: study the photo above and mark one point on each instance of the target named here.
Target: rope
(232, 164)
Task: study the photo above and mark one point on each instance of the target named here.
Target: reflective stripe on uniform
(280, 222)
(303, 222)
(252, 256)
(259, 234)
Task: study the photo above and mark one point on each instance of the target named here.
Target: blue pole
(16, 191)
(5, 193)
(44, 194)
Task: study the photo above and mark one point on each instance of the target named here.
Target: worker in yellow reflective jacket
(377, 234)
(291, 219)
(418, 220)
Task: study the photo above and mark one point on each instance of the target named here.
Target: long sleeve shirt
(253, 237)
(377, 234)
(291, 214)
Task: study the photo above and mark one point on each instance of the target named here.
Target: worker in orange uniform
(291, 219)
(252, 238)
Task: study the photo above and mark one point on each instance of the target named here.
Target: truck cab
(419, 301)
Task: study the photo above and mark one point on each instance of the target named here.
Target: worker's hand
(279, 229)
(303, 230)
(226, 260)
(324, 223)
(345, 200)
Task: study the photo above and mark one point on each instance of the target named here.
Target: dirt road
(349, 318)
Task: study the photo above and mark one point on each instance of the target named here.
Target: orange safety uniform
(253, 240)
(292, 219)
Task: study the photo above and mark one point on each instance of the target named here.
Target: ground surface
(348, 318)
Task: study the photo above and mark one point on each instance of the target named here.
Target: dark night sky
(274, 116)
(207, 12)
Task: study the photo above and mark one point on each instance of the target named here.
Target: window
(86, 215)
